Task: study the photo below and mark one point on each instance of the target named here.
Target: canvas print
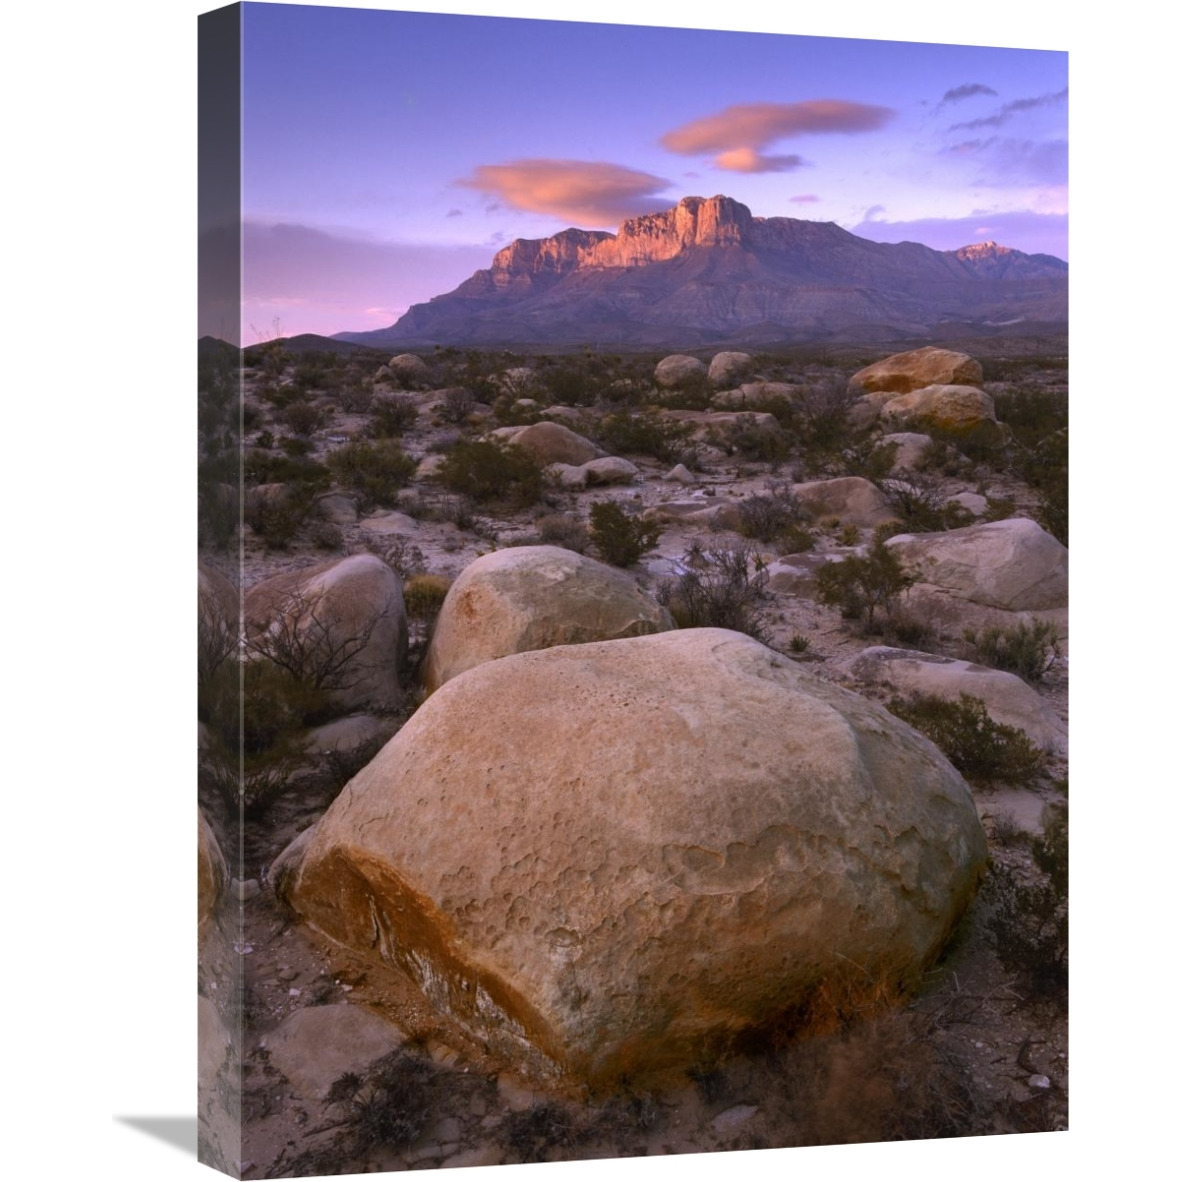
(632, 621)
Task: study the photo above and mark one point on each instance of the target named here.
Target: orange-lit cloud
(749, 160)
(739, 134)
(588, 193)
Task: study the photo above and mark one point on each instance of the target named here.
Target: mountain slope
(708, 271)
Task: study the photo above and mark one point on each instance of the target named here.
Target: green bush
(1029, 650)
(561, 529)
(621, 538)
(750, 442)
(489, 472)
(374, 470)
(644, 434)
(279, 517)
(982, 750)
(861, 584)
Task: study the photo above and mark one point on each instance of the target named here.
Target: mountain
(708, 272)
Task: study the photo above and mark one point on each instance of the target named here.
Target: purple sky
(388, 155)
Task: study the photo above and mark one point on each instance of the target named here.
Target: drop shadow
(177, 1131)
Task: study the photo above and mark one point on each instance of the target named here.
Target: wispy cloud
(738, 134)
(805, 199)
(969, 90)
(587, 193)
(1011, 109)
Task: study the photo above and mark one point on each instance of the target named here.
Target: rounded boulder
(341, 622)
(903, 372)
(607, 859)
(1014, 564)
(534, 597)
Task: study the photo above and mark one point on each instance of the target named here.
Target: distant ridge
(708, 272)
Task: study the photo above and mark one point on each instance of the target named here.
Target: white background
(98, 538)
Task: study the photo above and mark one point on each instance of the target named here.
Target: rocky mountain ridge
(710, 271)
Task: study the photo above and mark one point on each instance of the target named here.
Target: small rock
(243, 891)
(489, 1155)
(287, 974)
(1038, 1081)
(681, 474)
(728, 1121)
(294, 992)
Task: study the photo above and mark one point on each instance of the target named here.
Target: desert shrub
(821, 416)
(424, 596)
(1031, 412)
(295, 447)
(750, 442)
(456, 405)
(278, 518)
(1028, 924)
(848, 535)
(998, 509)
(265, 467)
(620, 537)
(939, 456)
(693, 392)
(374, 470)
(251, 416)
(562, 529)
(392, 416)
(767, 516)
(265, 439)
(799, 643)
(869, 458)
(861, 584)
(1044, 467)
(355, 397)
(625, 433)
(326, 535)
(392, 1105)
(1029, 650)
(539, 1131)
(918, 502)
(572, 384)
(302, 418)
(487, 471)
(722, 587)
(217, 511)
(982, 750)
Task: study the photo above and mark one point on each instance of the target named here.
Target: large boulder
(1014, 564)
(552, 443)
(903, 372)
(213, 875)
(852, 499)
(614, 857)
(727, 368)
(951, 410)
(534, 597)
(676, 370)
(1008, 698)
(341, 618)
(411, 372)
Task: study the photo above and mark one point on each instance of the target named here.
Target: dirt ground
(973, 1053)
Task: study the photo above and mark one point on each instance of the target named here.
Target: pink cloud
(805, 199)
(738, 134)
(749, 160)
(587, 193)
